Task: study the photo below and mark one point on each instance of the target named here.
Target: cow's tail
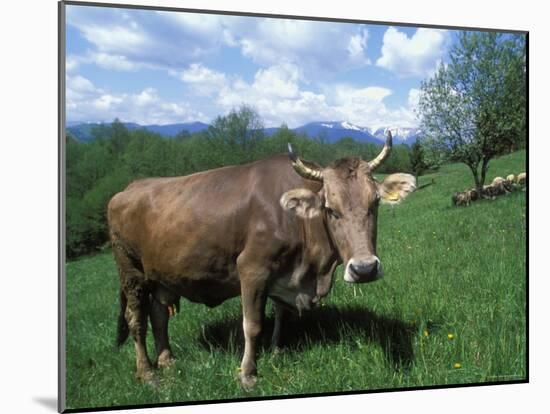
(122, 326)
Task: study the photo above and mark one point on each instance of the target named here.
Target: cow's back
(192, 228)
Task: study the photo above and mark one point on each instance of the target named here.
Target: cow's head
(348, 203)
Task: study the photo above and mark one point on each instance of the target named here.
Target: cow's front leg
(253, 281)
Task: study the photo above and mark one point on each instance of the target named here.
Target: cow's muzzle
(363, 271)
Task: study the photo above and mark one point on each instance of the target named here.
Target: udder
(297, 298)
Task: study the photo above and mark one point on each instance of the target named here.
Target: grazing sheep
(454, 198)
(501, 186)
(489, 192)
(498, 186)
(461, 199)
(473, 194)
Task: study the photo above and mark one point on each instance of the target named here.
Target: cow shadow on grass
(322, 325)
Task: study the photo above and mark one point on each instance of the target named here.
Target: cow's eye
(333, 214)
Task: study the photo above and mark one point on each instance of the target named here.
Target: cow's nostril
(363, 268)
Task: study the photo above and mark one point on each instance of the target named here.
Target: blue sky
(154, 67)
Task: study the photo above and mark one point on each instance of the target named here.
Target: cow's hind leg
(159, 322)
(136, 314)
(134, 287)
(279, 317)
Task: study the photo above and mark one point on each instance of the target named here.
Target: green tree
(417, 159)
(474, 108)
(239, 131)
(182, 135)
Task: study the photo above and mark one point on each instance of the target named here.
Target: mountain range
(328, 131)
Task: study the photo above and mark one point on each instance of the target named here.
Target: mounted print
(258, 207)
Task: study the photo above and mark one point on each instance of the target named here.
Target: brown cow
(274, 228)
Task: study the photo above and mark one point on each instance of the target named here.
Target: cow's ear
(396, 187)
(302, 202)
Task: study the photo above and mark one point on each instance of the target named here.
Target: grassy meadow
(454, 292)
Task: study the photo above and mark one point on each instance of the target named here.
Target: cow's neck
(320, 252)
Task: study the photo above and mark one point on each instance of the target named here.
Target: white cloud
(88, 103)
(80, 84)
(202, 80)
(101, 59)
(279, 95)
(317, 47)
(366, 107)
(414, 97)
(113, 62)
(290, 54)
(357, 47)
(347, 94)
(279, 81)
(142, 38)
(125, 39)
(417, 55)
(276, 95)
(71, 63)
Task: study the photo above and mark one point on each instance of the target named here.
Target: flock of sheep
(499, 186)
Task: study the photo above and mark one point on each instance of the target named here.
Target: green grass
(449, 270)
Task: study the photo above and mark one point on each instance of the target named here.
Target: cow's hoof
(165, 360)
(248, 382)
(148, 377)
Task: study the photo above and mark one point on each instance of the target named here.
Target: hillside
(454, 292)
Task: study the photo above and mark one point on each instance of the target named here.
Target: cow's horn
(375, 163)
(302, 169)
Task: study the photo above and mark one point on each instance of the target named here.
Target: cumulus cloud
(71, 63)
(126, 39)
(289, 54)
(202, 80)
(367, 107)
(280, 95)
(417, 55)
(114, 62)
(272, 41)
(88, 103)
(275, 93)
(414, 97)
(357, 46)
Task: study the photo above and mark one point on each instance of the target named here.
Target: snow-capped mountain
(329, 131)
(400, 134)
(333, 131)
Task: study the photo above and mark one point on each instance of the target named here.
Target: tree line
(98, 169)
